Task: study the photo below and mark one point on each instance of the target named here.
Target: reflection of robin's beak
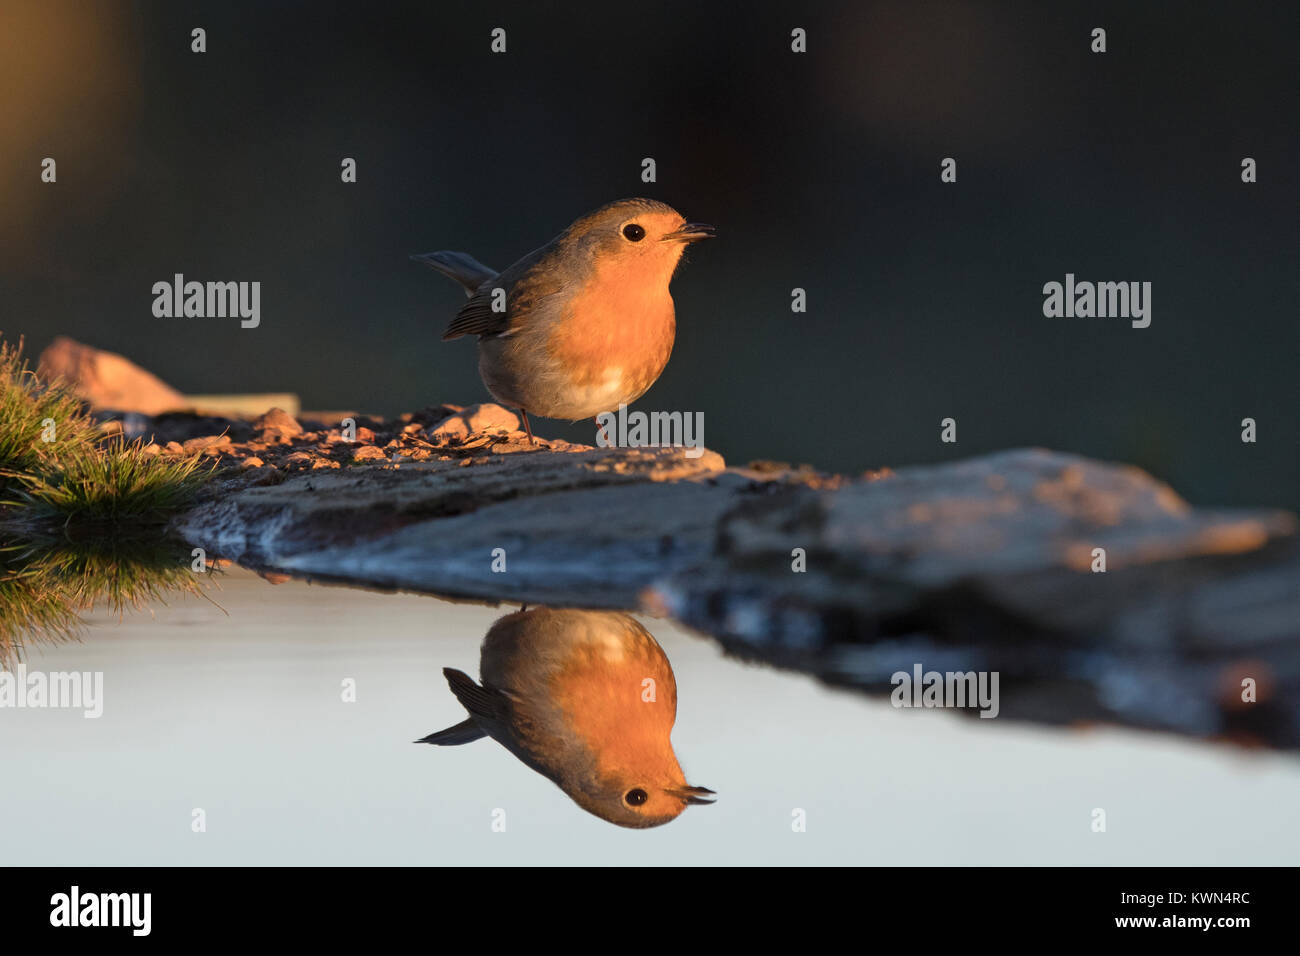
(695, 796)
(689, 232)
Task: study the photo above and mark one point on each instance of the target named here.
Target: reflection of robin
(583, 324)
(586, 698)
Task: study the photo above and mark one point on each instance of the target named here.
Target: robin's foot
(527, 427)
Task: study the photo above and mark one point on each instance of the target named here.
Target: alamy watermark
(1102, 300)
(626, 429)
(923, 688)
(71, 690)
(208, 300)
(130, 910)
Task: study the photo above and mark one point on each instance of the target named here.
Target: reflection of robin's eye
(634, 233)
(638, 796)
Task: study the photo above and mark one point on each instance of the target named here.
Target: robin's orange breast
(615, 337)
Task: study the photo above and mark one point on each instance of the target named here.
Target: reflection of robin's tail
(477, 700)
(463, 733)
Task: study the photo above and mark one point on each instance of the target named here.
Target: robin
(583, 324)
(588, 700)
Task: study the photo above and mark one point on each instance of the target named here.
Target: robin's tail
(464, 268)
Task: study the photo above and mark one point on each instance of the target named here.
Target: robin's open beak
(695, 796)
(690, 232)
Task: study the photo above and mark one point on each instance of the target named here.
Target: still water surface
(237, 710)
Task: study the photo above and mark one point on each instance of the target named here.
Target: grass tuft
(56, 464)
(113, 483)
(39, 422)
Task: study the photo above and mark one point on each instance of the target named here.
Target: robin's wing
(477, 318)
(524, 284)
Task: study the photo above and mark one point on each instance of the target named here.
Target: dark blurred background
(820, 171)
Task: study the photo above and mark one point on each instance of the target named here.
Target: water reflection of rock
(588, 700)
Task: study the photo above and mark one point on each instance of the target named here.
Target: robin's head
(639, 235)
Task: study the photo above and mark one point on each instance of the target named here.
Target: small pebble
(208, 441)
(280, 421)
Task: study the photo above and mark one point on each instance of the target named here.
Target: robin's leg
(527, 427)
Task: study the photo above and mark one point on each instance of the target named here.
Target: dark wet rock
(433, 525)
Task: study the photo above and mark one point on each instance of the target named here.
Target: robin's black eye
(638, 796)
(634, 233)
